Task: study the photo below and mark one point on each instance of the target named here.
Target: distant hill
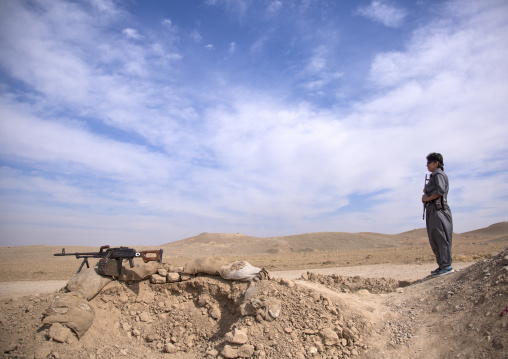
(217, 244)
(496, 229)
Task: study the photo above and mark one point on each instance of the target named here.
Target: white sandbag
(239, 270)
(207, 265)
(88, 282)
(72, 310)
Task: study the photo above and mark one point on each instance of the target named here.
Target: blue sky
(145, 122)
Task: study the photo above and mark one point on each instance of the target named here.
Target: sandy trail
(401, 272)
(25, 288)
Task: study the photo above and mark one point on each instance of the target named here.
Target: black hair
(434, 156)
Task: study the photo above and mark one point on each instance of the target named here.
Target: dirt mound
(205, 316)
(354, 284)
(467, 308)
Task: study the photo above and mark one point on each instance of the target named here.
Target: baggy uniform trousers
(439, 222)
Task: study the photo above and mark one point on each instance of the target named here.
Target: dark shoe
(435, 271)
(444, 271)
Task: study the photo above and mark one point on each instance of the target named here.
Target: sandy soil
(348, 301)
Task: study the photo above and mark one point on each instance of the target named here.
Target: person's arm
(432, 197)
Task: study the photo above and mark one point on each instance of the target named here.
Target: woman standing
(439, 217)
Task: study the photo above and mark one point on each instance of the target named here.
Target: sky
(150, 121)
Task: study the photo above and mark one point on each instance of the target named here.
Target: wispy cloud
(196, 36)
(232, 48)
(132, 34)
(383, 12)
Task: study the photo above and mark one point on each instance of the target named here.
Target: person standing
(439, 216)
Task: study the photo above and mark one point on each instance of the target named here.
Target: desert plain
(342, 295)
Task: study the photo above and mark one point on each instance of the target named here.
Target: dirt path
(401, 272)
(25, 288)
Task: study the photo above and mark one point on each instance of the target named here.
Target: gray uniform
(439, 221)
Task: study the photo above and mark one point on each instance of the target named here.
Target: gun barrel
(87, 254)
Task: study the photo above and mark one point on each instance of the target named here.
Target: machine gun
(110, 263)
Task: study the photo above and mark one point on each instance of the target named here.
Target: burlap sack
(239, 270)
(208, 265)
(72, 310)
(88, 282)
(139, 272)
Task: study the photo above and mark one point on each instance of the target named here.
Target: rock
(215, 312)
(237, 336)
(157, 279)
(213, 353)
(170, 348)
(42, 352)
(185, 277)
(246, 351)
(150, 337)
(162, 272)
(173, 277)
(229, 352)
(11, 347)
(348, 334)
(438, 308)
(189, 340)
(145, 317)
(59, 333)
(329, 336)
(312, 350)
(287, 282)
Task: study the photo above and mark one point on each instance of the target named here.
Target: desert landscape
(335, 295)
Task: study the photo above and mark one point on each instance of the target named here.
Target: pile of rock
(169, 274)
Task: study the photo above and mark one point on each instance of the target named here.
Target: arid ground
(372, 289)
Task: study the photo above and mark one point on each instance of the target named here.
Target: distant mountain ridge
(207, 244)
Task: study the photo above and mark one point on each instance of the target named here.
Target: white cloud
(196, 36)
(237, 8)
(132, 34)
(274, 7)
(209, 47)
(49, 143)
(383, 12)
(232, 48)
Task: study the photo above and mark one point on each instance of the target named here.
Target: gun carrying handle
(103, 248)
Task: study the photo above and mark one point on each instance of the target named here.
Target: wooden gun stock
(154, 255)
